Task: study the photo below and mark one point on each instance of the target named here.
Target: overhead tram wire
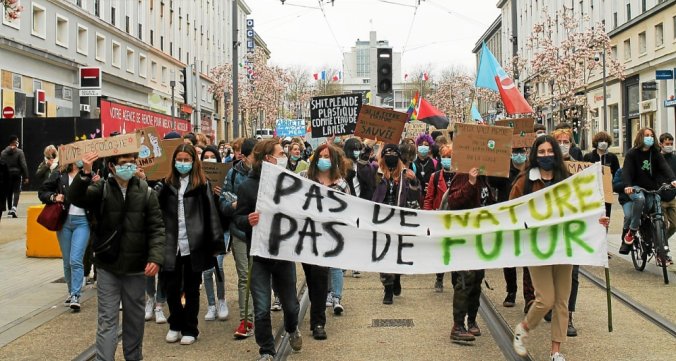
(410, 30)
(333, 34)
(455, 13)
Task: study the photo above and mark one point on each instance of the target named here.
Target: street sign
(670, 103)
(664, 74)
(8, 112)
(90, 92)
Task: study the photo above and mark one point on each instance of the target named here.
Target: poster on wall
(125, 119)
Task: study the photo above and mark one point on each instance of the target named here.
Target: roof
(495, 27)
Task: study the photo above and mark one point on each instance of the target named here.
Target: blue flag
(475, 113)
(324, 75)
(489, 68)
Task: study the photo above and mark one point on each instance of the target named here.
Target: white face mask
(668, 149)
(209, 160)
(565, 148)
(282, 161)
(602, 145)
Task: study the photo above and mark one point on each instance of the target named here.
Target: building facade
(142, 47)
(493, 39)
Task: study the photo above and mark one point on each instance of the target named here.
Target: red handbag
(53, 216)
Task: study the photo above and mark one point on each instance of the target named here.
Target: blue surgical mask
(519, 158)
(324, 164)
(295, 158)
(648, 141)
(125, 171)
(446, 163)
(183, 167)
(356, 153)
(423, 150)
(79, 163)
(337, 140)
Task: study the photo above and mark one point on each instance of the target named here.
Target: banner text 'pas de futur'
(303, 221)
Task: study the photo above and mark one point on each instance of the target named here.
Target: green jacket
(142, 239)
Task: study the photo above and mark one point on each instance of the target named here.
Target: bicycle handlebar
(663, 187)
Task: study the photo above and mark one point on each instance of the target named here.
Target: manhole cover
(392, 322)
(59, 280)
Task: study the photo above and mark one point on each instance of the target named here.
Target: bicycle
(651, 236)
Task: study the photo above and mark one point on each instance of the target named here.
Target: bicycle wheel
(638, 257)
(659, 243)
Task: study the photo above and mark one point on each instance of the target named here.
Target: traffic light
(185, 83)
(384, 68)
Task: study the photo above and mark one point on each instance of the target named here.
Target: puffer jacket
(142, 240)
(205, 234)
(231, 185)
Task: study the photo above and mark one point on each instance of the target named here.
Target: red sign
(90, 78)
(125, 119)
(8, 112)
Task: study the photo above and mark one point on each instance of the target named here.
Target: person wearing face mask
(263, 270)
(74, 234)
(425, 165)
(352, 149)
(15, 159)
(396, 185)
(296, 163)
(644, 166)
(366, 172)
(194, 237)
(504, 186)
(126, 206)
(441, 180)
(48, 165)
(227, 205)
(565, 138)
(539, 129)
(669, 197)
(600, 142)
(326, 169)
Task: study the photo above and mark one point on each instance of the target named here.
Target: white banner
(303, 221)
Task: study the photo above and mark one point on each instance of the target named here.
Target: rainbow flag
(412, 113)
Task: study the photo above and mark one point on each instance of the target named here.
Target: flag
(323, 74)
(412, 106)
(426, 76)
(316, 76)
(491, 76)
(475, 114)
(431, 115)
(335, 77)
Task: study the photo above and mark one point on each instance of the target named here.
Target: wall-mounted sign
(648, 86)
(250, 44)
(664, 74)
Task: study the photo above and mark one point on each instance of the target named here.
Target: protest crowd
(154, 242)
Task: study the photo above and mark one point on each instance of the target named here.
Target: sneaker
(329, 299)
(629, 237)
(319, 332)
(159, 316)
(75, 303)
(172, 336)
(66, 303)
(244, 330)
(473, 328)
(459, 333)
(12, 212)
(337, 307)
(557, 357)
(296, 340)
(188, 340)
(223, 311)
(211, 313)
(510, 300)
(356, 274)
(439, 286)
(150, 306)
(265, 357)
(276, 305)
(520, 335)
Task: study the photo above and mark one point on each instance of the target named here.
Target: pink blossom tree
(12, 9)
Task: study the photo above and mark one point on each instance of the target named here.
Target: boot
(572, 332)
(459, 333)
(389, 294)
(396, 287)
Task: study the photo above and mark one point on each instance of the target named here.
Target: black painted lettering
(377, 258)
(329, 227)
(401, 246)
(281, 190)
(312, 233)
(403, 215)
(335, 196)
(376, 211)
(276, 235)
(314, 192)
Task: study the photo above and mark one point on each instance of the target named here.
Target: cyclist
(645, 167)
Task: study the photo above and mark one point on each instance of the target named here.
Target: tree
(454, 93)
(12, 9)
(298, 92)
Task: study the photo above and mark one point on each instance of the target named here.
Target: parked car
(264, 133)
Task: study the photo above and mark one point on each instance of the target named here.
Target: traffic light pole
(172, 84)
(235, 74)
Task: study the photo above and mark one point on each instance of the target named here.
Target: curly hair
(424, 138)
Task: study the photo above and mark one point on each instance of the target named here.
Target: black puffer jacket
(205, 234)
(247, 196)
(142, 239)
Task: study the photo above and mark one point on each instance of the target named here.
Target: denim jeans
(336, 275)
(208, 277)
(157, 292)
(73, 239)
(283, 279)
(639, 203)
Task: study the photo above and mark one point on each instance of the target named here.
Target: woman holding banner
(326, 168)
(395, 186)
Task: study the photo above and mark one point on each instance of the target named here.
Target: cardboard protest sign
(520, 125)
(414, 129)
(524, 140)
(290, 127)
(577, 167)
(556, 225)
(104, 147)
(488, 148)
(216, 172)
(155, 154)
(380, 124)
(334, 115)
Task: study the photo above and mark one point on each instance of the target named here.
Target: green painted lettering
(517, 242)
(572, 231)
(495, 252)
(582, 192)
(562, 193)
(535, 213)
(446, 244)
(512, 213)
(484, 214)
(553, 239)
(462, 219)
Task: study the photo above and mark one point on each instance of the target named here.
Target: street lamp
(172, 84)
(605, 100)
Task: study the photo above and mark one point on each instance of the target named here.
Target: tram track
(644, 311)
(500, 329)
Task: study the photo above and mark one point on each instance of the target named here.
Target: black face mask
(391, 161)
(546, 162)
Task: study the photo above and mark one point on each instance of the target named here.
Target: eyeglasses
(126, 165)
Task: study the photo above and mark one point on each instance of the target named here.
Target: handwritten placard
(104, 147)
(216, 172)
(334, 115)
(523, 140)
(290, 127)
(488, 148)
(414, 129)
(577, 167)
(520, 125)
(380, 124)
